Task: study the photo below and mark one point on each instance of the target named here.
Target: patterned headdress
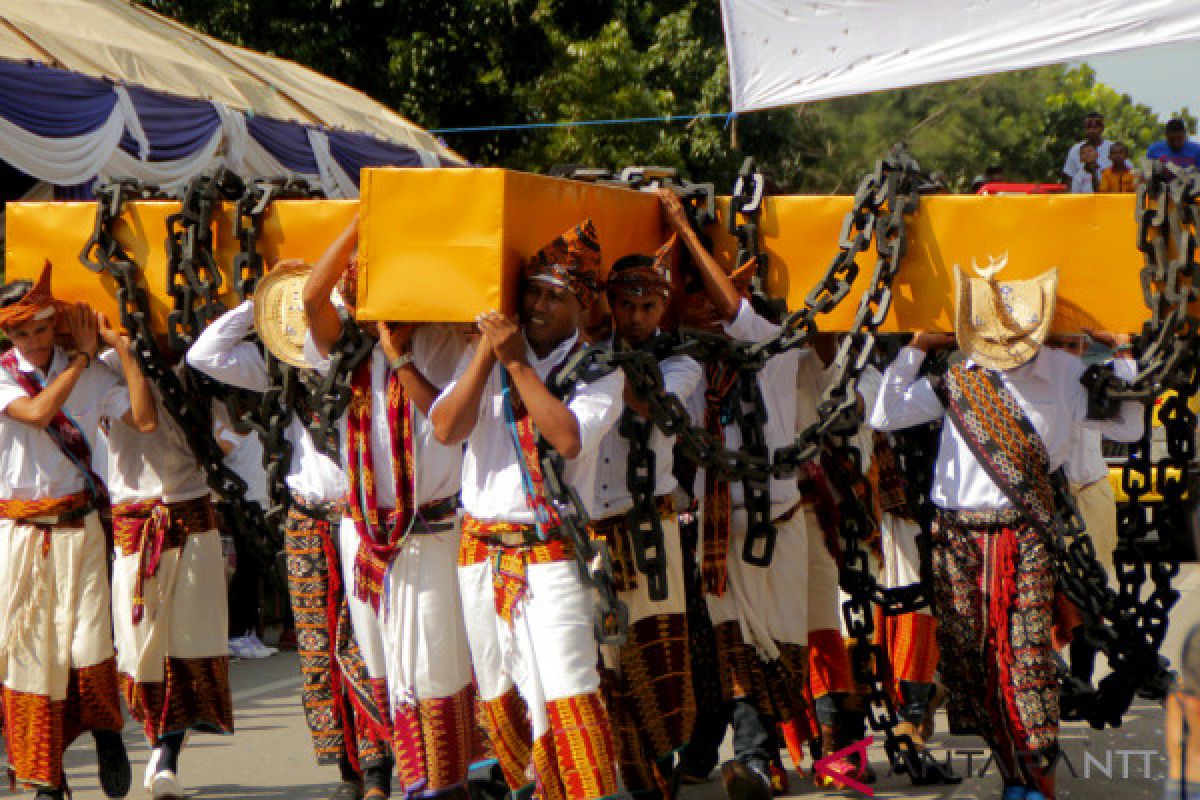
(636, 277)
(18, 307)
(572, 262)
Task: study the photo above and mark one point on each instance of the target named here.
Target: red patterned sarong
(993, 597)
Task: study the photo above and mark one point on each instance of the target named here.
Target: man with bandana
(1010, 409)
(647, 680)
(399, 540)
(57, 662)
(529, 615)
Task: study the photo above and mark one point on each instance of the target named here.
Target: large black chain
(193, 278)
(611, 616)
(286, 390)
(103, 253)
(1129, 628)
(642, 519)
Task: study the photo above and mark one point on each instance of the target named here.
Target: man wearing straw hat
(168, 588)
(1010, 409)
(330, 658)
(648, 679)
(399, 539)
(56, 650)
(529, 615)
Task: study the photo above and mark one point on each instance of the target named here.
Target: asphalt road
(270, 755)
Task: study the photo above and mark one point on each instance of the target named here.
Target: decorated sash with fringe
(891, 487)
(149, 528)
(511, 547)
(529, 458)
(378, 534)
(718, 505)
(1002, 439)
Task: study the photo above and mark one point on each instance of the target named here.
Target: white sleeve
(904, 400)
(597, 406)
(222, 353)
(111, 387)
(1071, 165)
(459, 368)
(313, 356)
(749, 326)
(681, 376)
(438, 351)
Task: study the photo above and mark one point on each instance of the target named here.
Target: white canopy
(787, 52)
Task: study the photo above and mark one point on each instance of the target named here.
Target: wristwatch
(400, 361)
(74, 353)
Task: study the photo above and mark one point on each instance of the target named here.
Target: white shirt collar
(555, 356)
(58, 362)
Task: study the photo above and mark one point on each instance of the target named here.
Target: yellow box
(1089, 238)
(58, 231)
(443, 245)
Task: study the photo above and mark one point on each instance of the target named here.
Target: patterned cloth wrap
(150, 527)
(511, 547)
(336, 682)
(47, 512)
(993, 599)
(720, 381)
(615, 532)
(571, 261)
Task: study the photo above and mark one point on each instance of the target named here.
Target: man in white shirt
(399, 540)
(529, 615)
(1093, 135)
(1010, 411)
(647, 680)
(330, 659)
(57, 664)
(760, 620)
(168, 591)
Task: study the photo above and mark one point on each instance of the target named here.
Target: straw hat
(279, 313)
(1002, 325)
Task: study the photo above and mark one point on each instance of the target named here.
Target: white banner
(785, 52)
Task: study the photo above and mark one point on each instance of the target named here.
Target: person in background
(1087, 177)
(244, 455)
(1118, 177)
(330, 659)
(1093, 134)
(1175, 147)
(1183, 725)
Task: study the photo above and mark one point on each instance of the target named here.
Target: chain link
(103, 253)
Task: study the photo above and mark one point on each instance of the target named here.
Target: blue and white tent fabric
(82, 98)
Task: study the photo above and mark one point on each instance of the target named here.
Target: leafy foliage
(460, 63)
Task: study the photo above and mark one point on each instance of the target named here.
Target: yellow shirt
(1117, 181)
